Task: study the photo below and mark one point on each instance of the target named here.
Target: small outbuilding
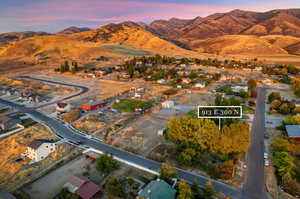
(167, 104)
(293, 132)
(94, 105)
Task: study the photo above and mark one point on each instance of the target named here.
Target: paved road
(254, 186)
(65, 132)
(82, 89)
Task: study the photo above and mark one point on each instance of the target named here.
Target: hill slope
(109, 40)
(52, 47)
(285, 22)
(73, 29)
(236, 44)
(15, 36)
(131, 34)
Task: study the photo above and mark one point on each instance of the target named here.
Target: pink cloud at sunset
(93, 13)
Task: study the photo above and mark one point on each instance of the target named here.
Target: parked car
(265, 155)
(267, 163)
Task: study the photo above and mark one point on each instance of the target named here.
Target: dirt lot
(10, 149)
(141, 134)
(55, 180)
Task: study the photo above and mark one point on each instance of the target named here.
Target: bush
(106, 163)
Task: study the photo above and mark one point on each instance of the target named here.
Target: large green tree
(284, 163)
(106, 163)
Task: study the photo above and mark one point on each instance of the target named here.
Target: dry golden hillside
(236, 44)
(52, 47)
(281, 41)
(123, 34)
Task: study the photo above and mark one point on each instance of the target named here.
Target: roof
(4, 119)
(5, 195)
(158, 189)
(92, 154)
(82, 186)
(35, 144)
(95, 103)
(293, 131)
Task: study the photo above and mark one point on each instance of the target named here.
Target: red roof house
(82, 186)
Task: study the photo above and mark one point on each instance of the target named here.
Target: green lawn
(129, 105)
(28, 122)
(127, 50)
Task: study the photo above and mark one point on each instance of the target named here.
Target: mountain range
(275, 32)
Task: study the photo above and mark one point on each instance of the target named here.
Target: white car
(267, 163)
(266, 155)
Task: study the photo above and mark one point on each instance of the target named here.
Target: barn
(93, 105)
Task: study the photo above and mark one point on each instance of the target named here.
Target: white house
(63, 107)
(161, 81)
(167, 104)
(236, 89)
(39, 149)
(199, 85)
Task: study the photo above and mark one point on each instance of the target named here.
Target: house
(7, 123)
(94, 105)
(167, 104)
(293, 132)
(161, 132)
(63, 107)
(91, 155)
(161, 81)
(200, 84)
(157, 189)
(39, 149)
(82, 186)
(237, 89)
(186, 80)
(6, 195)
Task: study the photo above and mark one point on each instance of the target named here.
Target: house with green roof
(157, 189)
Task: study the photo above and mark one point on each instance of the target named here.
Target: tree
(243, 94)
(290, 185)
(114, 187)
(252, 84)
(284, 109)
(282, 144)
(274, 96)
(283, 162)
(226, 170)
(167, 172)
(275, 104)
(106, 163)
(209, 190)
(184, 190)
(67, 67)
(197, 192)
(186, 156)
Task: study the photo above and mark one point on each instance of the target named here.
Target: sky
(55, 15)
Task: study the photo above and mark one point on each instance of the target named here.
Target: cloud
(58, 13)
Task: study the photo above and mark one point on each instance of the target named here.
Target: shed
(167, 104)
(293, 132)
